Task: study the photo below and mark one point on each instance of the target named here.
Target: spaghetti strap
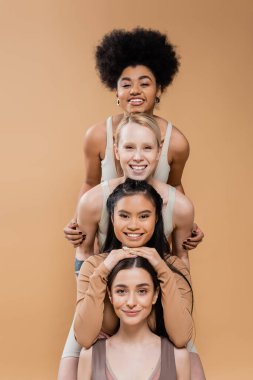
(108, 167)
(168, 365)
(99, 360)
(163, 168)
(109, 137)
(166, 142)
(168, 211)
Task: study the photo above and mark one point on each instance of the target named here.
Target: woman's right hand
(117, 255)
(73, 234)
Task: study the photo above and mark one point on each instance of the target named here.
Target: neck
(133, 335)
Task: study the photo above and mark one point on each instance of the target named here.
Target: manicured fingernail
(188, 239)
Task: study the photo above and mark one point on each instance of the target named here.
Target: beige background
(50, 94)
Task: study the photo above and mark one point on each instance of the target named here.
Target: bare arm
(94, 144)
(183, 217)
(178, 154)
(88, 216)
(85, 365)
(183, 365)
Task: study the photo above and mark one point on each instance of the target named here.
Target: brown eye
(123, 216)
(142, 291)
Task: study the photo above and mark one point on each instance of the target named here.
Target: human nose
(137, 155)
(131, 300)
(133, 224)
(135, 89)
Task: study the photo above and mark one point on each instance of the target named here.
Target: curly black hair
(120, 49)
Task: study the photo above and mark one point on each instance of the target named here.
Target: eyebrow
(141, 77)
(141, 212)
(138, 286)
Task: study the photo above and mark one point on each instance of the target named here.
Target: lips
(131, 313)
(138, 169)
(133, 235)
(136, 101)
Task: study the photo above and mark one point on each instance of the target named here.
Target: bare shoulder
(183, 205)
(95, 139)
(96, 131)
(85, 365)
(91, 203)
(182, 360)
(179, 144)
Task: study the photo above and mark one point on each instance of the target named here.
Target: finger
(195, 239)
(197, 234)
(139, 252)
(75, 238)
(70, 231)
(142, 249)
(187, 246)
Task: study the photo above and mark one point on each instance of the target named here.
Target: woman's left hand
(195, 238)
(150, 254)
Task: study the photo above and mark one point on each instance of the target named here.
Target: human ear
(159, 91)
(159, 152)
(116, 151)
(109, 294)
(155, 296)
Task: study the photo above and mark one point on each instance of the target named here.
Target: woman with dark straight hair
(135, 230)
(134, 351)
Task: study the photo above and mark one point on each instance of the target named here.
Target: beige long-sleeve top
(94, 311)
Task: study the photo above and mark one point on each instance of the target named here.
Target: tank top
(108, 167)
(167, 212)
(166, 368)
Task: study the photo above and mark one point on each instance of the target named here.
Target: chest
(134, 365)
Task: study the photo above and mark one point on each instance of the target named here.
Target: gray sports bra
(167, 214)
(108, 167)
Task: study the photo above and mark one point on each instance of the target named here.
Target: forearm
(177, 305)
(90, 309)
(182, 254)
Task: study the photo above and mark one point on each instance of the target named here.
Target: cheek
(119, 224)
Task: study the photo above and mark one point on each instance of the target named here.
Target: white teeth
(136, 101)
(134, 235)
(138, 168)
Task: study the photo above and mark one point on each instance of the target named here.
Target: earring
(118, 102)
(157, 100)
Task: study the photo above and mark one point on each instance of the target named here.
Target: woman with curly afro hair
(138, 65)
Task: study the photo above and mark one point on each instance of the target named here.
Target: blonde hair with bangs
(142, 119)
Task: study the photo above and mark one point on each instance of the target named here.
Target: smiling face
(137, 151)
(134, 220)
(137, 89)
(132, 295)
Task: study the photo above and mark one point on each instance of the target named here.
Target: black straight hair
(158, 240)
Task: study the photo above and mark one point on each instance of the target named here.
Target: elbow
(81, 334)
(182, 338)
